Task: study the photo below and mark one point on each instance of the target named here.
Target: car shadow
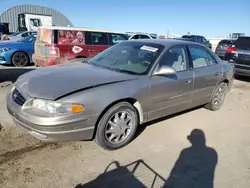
(194, 167)
(10, 74)
(242, 78)
(143, 126)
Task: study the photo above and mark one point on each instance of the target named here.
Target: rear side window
(70, 37)
(188, 37)
(226, 42)
(204, 40)
(96, 38)
(117, 38)
(144, 37)
(243, 43)
(201, 57)
(135, 37)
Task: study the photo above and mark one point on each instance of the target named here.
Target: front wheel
(117, 126)
(218, 97)
(20, 59)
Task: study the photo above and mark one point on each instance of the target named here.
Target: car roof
(78, 28)
(165, 42)
(193, 35)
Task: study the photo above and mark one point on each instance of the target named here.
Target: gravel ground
(159, 148)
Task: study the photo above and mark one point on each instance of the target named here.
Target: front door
(207, 74)
(171, 94)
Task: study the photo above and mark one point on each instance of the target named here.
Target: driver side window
(175, 58)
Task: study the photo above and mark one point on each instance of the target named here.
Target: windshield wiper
(126, 71)
(85, 61)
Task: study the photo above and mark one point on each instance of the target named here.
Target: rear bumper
(243, 72)
(45, 62)
(242, 69)
(221, 54)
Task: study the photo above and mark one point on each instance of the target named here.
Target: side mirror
(165, 71)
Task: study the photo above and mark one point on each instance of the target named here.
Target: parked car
(199, 39)
(128, 84)
(5, 36)
(17, 53)
(57, 45)
(141, 36)
(239, 55)
(223, 46)
(18, 36)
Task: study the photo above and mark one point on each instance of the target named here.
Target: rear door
(207, 74)
(96, 42)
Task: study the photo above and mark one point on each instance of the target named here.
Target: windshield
(129, 57)
(187, 36)
(224, 42)
(30, 38)
(243, 43)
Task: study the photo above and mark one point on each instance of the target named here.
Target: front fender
(96, 99)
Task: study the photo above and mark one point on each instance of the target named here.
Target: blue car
(17, 53)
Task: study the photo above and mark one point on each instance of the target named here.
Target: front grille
(18, 98)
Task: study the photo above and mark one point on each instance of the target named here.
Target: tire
(218, 97)
(125, 111)
(20, 59)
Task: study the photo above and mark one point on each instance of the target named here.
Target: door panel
(207, 73)
(205, 82)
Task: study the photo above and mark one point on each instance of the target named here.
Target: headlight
(4, 49)
(54, 108)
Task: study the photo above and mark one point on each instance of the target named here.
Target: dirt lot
(148, 160)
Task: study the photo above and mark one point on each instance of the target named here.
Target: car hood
(55, 82)
(12, 44)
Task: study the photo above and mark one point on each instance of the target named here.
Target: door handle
(217, 74)
(187, 81)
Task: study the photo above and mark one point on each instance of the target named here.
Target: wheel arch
(22, 52)
(80, 56)
(131, 101)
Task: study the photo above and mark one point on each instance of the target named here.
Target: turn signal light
(77, 108)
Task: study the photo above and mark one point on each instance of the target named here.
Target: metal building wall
(11, 15)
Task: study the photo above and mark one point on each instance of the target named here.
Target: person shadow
(195, 166)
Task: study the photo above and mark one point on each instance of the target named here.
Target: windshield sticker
(149, 48)
(76, 49)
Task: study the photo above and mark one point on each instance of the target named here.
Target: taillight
(54, 52)
(231, 49)
(6, 38)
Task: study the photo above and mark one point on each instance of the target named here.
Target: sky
(211, 18)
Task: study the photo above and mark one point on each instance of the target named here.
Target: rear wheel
(117, 126)
(218, 97)
(20, 59)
